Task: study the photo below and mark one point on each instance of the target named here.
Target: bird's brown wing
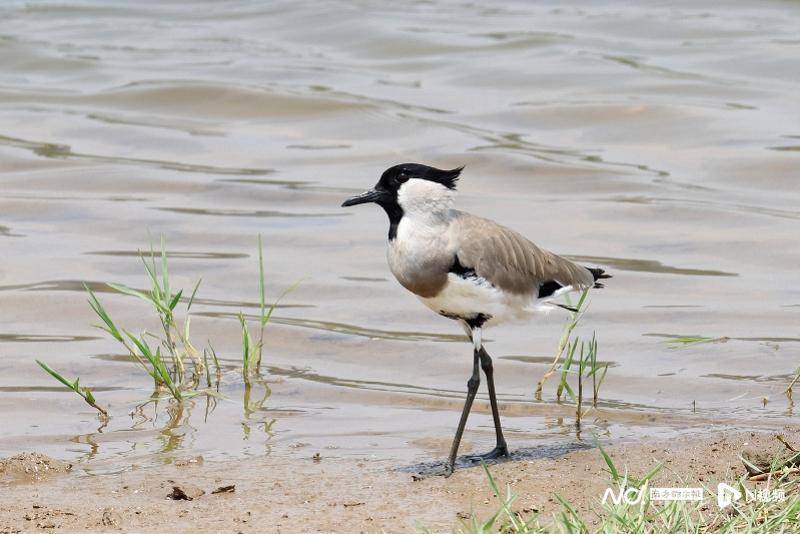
(511, 262)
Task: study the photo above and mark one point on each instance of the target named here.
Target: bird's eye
(402, 177)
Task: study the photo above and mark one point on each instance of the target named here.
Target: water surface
(659, 142)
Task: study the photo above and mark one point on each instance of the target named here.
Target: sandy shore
(326, 494)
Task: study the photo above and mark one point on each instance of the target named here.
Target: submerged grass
(694, 340)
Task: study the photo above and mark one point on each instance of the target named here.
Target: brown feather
(509, 261)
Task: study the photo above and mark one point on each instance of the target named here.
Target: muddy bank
(323, 494)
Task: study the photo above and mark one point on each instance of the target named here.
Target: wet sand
(312, 493)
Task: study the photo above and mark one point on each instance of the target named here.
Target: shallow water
(660, 142)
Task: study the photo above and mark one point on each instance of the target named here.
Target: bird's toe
(495, 453)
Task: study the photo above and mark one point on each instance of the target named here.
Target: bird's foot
(448, 470)
(497, 452)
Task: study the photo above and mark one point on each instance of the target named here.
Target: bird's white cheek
(423, 197)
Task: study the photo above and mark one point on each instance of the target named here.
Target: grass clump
(644, 515)
(580, 360)
(585, 368)
(167, 360)
(168, 355)
(576, 314)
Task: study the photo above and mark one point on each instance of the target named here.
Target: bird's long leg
(500, 448)
(472, 388)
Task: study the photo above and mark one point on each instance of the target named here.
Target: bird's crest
(395, 176)
(448, 178)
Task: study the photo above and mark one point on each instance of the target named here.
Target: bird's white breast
(421, 254)
(469, 297)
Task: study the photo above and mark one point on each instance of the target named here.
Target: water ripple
(350, 329)
(647, 266)
(232, 212)
(61, 151)
(43, 338)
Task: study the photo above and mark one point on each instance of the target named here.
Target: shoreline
(321, 494)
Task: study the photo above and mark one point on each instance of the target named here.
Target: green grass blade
(151, 273)
(594, 371)
(565, 368)
(164, 270)
(175, 300)
(145, 351)
(261, 289)
(52, 372)
(571, 393)
(650, 474)
(85, 393)
(194, 292)
(582, 299)
(166, 378)
(150, 299)
(291, 288)
(489, 476)
(186, 326)
(582, 360)
(246, 346)
(88, 396)
(609, 462)
(100, 311)
(208, 370)
(214, 357)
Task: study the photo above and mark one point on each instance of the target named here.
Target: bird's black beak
(373, 195)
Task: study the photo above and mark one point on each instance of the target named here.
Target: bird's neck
(416, 227)
(427, 204)
(395, 213)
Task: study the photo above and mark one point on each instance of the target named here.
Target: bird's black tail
(599, 274)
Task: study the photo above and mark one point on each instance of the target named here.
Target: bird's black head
(393, 178)
(385, 192)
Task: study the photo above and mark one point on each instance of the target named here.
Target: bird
(468, 268)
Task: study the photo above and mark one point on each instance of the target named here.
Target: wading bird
(467, 268)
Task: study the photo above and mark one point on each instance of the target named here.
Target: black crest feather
(448, 178)
(394, 177)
